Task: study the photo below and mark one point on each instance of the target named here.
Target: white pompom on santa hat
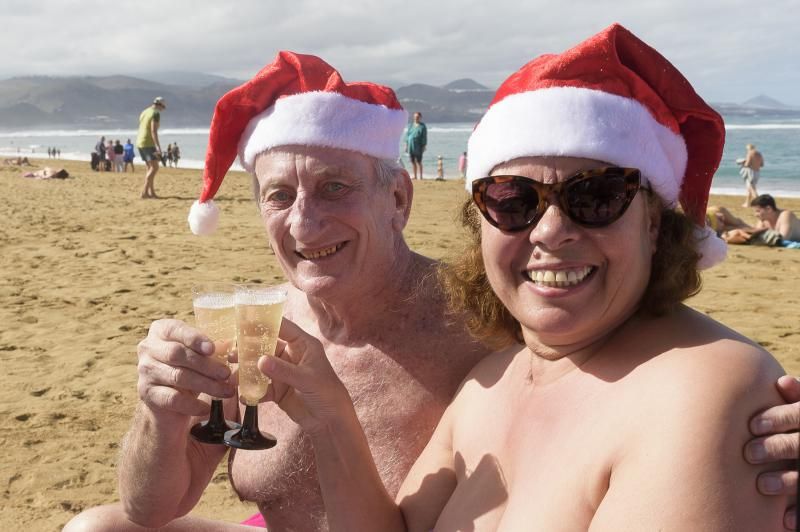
(615, 99)
(296, 100)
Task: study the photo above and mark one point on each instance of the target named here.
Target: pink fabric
(255, 520)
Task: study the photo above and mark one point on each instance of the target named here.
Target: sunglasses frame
(544, 190)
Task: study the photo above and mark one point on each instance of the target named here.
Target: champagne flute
(214, 314)
(258, 320)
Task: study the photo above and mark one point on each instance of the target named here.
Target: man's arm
(154, 130)
(162, 471)
(686, 472)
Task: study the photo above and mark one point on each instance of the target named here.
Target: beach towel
(255, 520)
(791, 244)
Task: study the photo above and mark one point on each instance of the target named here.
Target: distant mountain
(463, 100)
(196, 80)
(765, 102)
(115, 102)
(101, 102)
(465, 84)
(761, 106)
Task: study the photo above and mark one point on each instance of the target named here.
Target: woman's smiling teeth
(559, 278)
(310, 255)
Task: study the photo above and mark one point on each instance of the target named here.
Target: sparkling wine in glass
(215, 315)
(258, 320)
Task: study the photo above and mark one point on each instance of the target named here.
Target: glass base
(213, 431)
(248, 437)
(248, 440)
(208, 432)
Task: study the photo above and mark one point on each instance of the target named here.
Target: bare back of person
(606, 444)
(401, 377)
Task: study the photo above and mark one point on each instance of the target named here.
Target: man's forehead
(312, 161)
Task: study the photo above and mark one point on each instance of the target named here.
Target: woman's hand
(304, 384)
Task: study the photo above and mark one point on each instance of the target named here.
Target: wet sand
(85, 266)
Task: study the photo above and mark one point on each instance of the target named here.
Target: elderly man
(334, 205)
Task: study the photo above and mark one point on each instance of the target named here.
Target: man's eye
(334, 187)
(279, 196)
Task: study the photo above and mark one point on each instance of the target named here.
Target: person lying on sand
(48, 173)
(721, 220)
(774, 226)
(17, 161)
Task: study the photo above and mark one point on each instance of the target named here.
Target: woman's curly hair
(673, 276)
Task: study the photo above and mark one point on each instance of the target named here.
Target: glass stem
(250, 423)
(216, 419)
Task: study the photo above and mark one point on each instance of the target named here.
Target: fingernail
(770, 483)
(207, 348)
(756, 452)
(223, 372)
(763, 426)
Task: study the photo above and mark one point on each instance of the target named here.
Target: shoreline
(88, 266)
(194, 164)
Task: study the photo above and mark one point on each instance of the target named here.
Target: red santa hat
(614, 99)
(296, 100)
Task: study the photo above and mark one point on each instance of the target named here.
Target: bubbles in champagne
(258, 320)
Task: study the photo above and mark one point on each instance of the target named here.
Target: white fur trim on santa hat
(712, 248)
(203, 217)
(578, 122)
(326, 119)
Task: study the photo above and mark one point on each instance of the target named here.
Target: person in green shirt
(148, 144)
(416, 140)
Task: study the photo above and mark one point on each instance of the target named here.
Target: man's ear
(403, 194)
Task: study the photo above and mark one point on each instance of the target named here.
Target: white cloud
(731, 50)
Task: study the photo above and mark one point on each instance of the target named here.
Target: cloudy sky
(730, 50)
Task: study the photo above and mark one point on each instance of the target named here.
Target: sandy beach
(85, 266)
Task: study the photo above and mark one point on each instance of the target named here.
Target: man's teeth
(559, 278)
(322, 253)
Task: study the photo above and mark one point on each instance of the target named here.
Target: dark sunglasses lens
(599, 200)
(512, 205)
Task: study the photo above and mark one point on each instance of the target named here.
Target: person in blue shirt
(416, 140)
(128, 155)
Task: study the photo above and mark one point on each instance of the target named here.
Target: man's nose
(306, 216)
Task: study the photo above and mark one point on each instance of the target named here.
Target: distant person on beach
(17, 161)
(774, 225)
(440, 168)
(416, 142)
(110, 156)
(751, 171)
(128, 155)
(462, 165)
(149, 145)
(100, 150)
(119, 156)
(169, 154)
(721, 220)
(334, 204)
(176, 154)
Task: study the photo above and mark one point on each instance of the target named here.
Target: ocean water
(778, 141)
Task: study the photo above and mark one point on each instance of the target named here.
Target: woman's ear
(654, 221)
